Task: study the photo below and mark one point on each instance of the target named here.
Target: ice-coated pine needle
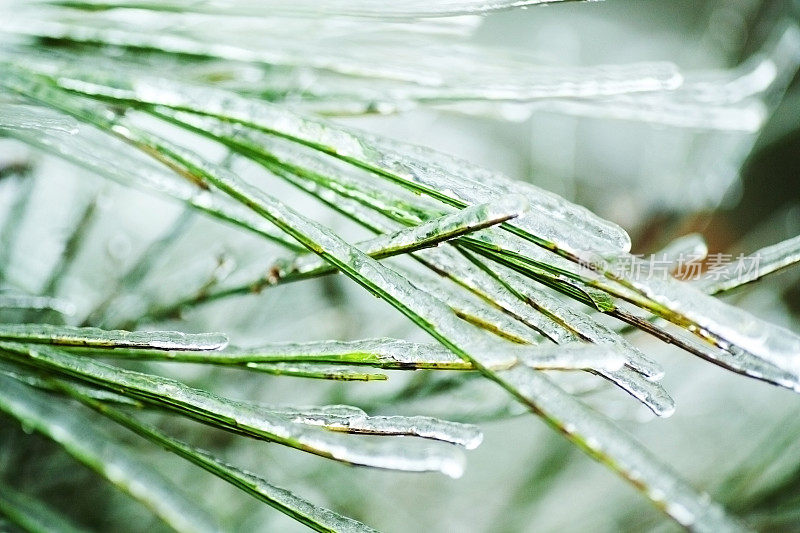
(427, 76)
(342, 144)
(717, 321)
(340, 359)
(317, 371)
(752, 267)
(603, 439)
(86, 442)
(313, 516)
(425, 235)
(401, 9)
(40, 382)
(236, 416)
(582, 324)
(559, 226)
(401, 241)
(99, 338)
(27, 117)
(552, 220)
(354, 420)
(99, 153)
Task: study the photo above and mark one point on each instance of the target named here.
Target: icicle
(747, 117)
(736, 100)
(650, 393)
(570, 356)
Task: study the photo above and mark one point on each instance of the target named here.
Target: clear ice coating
(296, 505)
(650, 393)
(320, 516)
(693, 510)
(361, 8)
(95, 337)
(734, 100)
(229, 414)
(82, 438)
(382, 352)
(568, 356)
(752, 267)
(282, 498)
(508, 81)
(342, 185)
(375, 64)
(666, 109)
(448, 262)
(340, 359)
(551, 219)
(583, 425)
(28, 117)
(107, 157)
(580, 323)
(354, 420)
(49, 385)
(580, 424)
(730, 357)
(347, 190)
(298, 508)
(691, 247)
(559, 323)
(476, 311)
(413, 238)
(715, 320)
(318, 371)
(465, 221)
(500, 359)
